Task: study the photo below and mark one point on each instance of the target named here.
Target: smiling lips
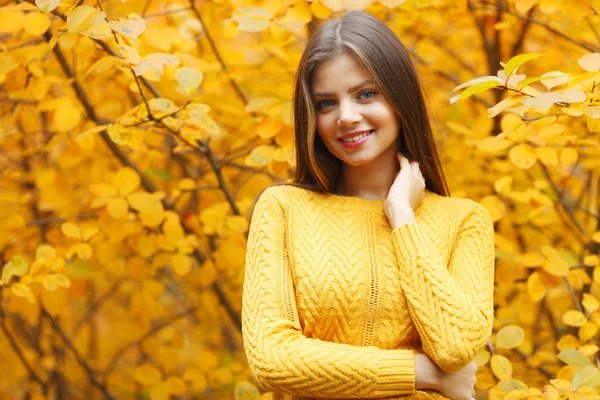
(355, 136)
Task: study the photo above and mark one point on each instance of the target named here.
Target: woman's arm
(281, 358)
(452, 306)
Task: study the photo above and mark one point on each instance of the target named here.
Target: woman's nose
(349, 115)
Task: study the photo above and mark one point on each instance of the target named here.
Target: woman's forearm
(427, 373)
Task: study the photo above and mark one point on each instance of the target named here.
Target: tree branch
(78, 357)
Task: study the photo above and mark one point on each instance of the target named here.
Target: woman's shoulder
(285, 193)
(457, 207)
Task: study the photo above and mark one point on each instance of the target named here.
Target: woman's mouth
(356, 141)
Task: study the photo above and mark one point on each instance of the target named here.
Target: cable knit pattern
(336, 303)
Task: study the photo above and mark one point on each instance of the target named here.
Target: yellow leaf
(485, 380)
(147, 375)
(66, 118)
(70, 230)
(535, 287)
(156, 61)
(503, 185)
(476, 89)
(586, 376)
(11, 21)
(244, 390)
(150, 208)
(519, 60)
(162, 105)
(186, 184)
(589, 349)
(181, 264)
(126, 181)
(91, 131)
(510, 336)
(129, 53)
(589, 302)
(522, 156)
(189, 78)
(83, 250)
(17, 266)
(574, 318)
(518, 395)
(531, 260)
(160, 391)
(511, 385)
(176, 386)
(590, 62)
(117, 207)
(83, 18)
(319, 10)
(591, 260)
(501, 367)
(550, 393)
(556, 265)
(482, 357)
(568, 156)
(574, 358)
(588, 331)
(47, 5)
(495, 207)
(104, 64)
(547, 155)
(493, 144)
(568, 341)
(596, 236)
(99, 31)
(128, 26)
(260, 155)
(21, 290)
(262, 104)
(52, 281)
(35, 23)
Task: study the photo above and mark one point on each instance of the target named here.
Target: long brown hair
(378, 49)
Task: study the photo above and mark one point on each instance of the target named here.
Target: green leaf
(519, 60)
(160, 174)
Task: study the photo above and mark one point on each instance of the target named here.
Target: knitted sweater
(335, 303)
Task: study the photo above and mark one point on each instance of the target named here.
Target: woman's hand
(405, 194)
(459, 385)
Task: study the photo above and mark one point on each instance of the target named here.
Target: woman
(363, 279)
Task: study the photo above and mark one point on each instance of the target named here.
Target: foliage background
(134, 136)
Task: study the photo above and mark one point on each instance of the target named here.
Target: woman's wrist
(427, 373)
(400, 215)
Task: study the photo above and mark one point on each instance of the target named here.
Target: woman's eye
(323, 104)
(367, 94)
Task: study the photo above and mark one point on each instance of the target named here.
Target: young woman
(363, 278)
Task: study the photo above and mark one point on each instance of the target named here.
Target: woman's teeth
(356, 138)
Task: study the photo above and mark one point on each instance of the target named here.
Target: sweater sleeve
(451, 306)
(280, 357)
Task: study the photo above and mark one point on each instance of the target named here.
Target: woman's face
(349, 105)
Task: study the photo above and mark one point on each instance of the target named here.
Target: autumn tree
(135, 134)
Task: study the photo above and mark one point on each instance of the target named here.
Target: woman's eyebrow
(352, 89)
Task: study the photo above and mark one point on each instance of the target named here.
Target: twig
(17, 349)
(155, 329)
(235, 86)
(96, 306)
(78, 357)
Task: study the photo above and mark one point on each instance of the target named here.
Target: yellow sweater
(336, 303)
